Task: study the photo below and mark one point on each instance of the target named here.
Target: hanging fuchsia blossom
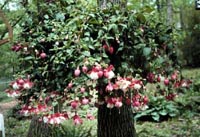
(75, 104)
(82, 89)
(109, 87)
(123, 84)
(93, 74)
(166, 81)
(43, 55)
(13, 93)
(27, 84)
(108, 72)
(84, 101)
(136, 84)
(77, 72)
(84, 69)
(77, 120)
(37, 109)
(90, 116)
(16, 47)
(70, 85)
(114, 102)
(151, 77)
(15, 85)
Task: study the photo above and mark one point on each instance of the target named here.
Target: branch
(13, 25)
(5, 3)
(10, 30)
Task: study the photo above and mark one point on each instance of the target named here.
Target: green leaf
(141, 17)
(46, 16)
(148, 9)
(86, 53)
(28, 58)
(163, 112)
(155, 116)
(172, 114)
(146, 51)
(112, 27)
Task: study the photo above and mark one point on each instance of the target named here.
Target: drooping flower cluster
(167, 84)
(82, 90)
(28, 110)
(116, 90)
(17, 86)
(140, 102)
(56, 118)
(98, 72)
(16, 47)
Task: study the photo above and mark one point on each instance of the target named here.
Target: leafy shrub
(16, 128)
(159, 109)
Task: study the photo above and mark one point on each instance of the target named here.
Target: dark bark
(115, 122)
(39, 129)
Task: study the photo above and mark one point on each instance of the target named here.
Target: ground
(4, 107)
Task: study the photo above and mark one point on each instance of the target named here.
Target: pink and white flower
(85, 101)
(166, 81)
(108, 73)
(84, 69)
(136, 84)
(82, 89)
(15, 85)
(43, 55)
(77, 120)
(75, 104)
(27, 84)
(77, 72)
(13, 93)
(94, 73)
(109, 87)
(118, 104)
(56, 118)
(70, 85)
(89, 116)
(123, 84)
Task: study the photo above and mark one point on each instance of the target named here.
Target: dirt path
(4, 107)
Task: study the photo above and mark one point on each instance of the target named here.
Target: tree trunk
(103, 3)
(39, 129)
(169, 12)
(181, 18)
(115, 122)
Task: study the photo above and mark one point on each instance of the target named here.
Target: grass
(176, 127)
(191, 73)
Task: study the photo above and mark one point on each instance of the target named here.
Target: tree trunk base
(39, 129)
(115, 122)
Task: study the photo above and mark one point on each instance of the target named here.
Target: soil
(4, 107)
